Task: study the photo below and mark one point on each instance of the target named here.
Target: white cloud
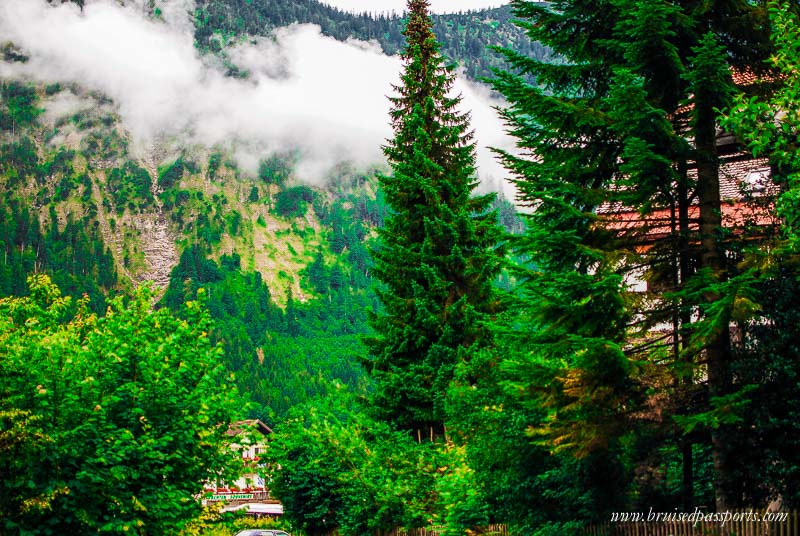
(398, 6)
(306, 91)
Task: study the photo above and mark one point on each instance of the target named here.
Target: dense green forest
(465, 37)
(70, 247)
(425, 354)
(108, 423)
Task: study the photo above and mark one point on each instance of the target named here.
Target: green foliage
(74, 255)
(239, 303)
(213, 523)
(760, 301)
(195, 268)
(17, 105)
(293, 202)
(725, 410)
(318, 275)
(106, 144)
(764, 435)
(300, 368)
(170, 175)
(349, 218)
(214, 163)
(275, 170)
(19, 160)
(462, 504)
(61, 164)
(438, 253)
(126, 414)
(769, 126)
(282, 358)
(334, 468)
(69, 248)
(608, 125)
(130, 187)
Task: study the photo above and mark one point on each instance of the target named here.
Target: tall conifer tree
(438, 252)
(607, 127)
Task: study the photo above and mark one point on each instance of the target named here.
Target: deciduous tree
(108, 424)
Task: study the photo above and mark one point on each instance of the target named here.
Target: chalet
(249, 491)
(747, 195)
(663, 248)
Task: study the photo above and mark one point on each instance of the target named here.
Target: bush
(293, 202)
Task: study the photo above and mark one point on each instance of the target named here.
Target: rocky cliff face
(158, 248)
(157, 239)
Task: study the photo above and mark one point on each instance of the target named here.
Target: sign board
(229, 497)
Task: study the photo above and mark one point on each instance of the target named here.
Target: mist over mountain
(303, 92)
(465, 38)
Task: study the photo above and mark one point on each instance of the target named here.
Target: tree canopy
(112, 423)
(622, 167)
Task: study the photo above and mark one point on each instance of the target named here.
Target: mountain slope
(464, 37)
(282, 266)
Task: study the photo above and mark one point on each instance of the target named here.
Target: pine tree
(607, 127)
(765, 438)
(568, 351)
(439, 251)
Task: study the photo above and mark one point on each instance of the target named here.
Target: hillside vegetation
(285, 265)
(466, 38)
(281, 261)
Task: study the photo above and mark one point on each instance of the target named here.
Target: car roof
(262, 532)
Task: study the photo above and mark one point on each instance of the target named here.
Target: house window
(757, 180)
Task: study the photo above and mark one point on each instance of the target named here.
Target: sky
(306, 92)
(398, 6)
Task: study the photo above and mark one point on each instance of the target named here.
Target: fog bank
(305, 91)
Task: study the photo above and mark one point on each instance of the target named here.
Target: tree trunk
(685, 271)
(717, 347)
